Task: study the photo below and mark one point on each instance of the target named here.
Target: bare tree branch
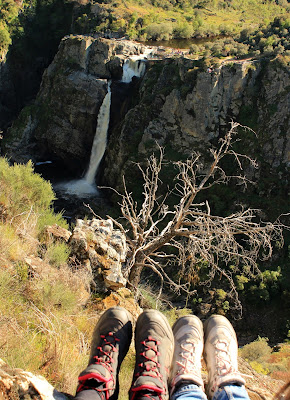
(186, 235)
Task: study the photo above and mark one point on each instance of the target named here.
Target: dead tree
(190, 228)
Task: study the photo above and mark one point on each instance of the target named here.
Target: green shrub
(258, 367)
(256, 350)
(183, 30)
(57, 253)
(25, 194)
(23, 191)
(173, 314)
(5, 39)
(161, 31)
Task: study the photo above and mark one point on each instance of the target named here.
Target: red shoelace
(104, 358)
(150, 366)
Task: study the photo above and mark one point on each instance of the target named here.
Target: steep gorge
(177, 104)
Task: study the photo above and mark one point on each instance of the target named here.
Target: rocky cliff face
(61, 123)
(184, 108)
(178, 105)
(7, 93)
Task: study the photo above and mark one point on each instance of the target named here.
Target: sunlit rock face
(102, 249)
(176, 103)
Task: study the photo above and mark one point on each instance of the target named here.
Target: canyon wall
(61, 123)
(178, 104)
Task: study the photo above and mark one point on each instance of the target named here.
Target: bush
(25, 194)
(59, 295)
(259, 368)
(23, 191)
(256, 350)
(157, 31)
(5, 39)
(183, 31)
(57, 253)
(25, 210)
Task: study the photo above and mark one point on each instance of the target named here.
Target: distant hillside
(164, 19)
(142, 19)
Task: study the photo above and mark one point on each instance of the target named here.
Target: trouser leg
(231, 392)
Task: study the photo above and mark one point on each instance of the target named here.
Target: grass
(126, 374)
(43, 325)
(43, 329)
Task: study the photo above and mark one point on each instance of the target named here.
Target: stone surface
(16, 384)
(122, 297)
(57, 232)
(259, 387)
(103, 249)
(185, 109)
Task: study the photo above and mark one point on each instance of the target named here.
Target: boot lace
(150, 366)
(107, 348)
(188, 364)
(104, 357)
(224, 365)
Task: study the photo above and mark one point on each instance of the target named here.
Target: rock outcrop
(16, 384)
(102, 250)
(178, 105)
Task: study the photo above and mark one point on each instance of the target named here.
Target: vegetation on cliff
(45, 326)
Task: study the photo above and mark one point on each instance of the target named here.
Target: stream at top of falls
(86, 187)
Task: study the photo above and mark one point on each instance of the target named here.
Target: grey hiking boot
(110, 343)
(221, 354)
(188, 340)
(154, 349)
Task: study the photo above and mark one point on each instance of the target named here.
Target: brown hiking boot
(154, 349)
(188, 348)
(110, 343)
(221, 354)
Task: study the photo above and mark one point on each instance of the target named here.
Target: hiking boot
(154, 349)
(110, 343)
(188, 341)
(221, 354)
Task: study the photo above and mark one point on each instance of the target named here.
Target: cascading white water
(100, 139)
(133, 67)
(86, 186)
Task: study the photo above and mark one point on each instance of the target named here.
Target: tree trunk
(135, 273)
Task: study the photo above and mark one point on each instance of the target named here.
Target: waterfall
(86, 186)
(100, 139)
(133, 67)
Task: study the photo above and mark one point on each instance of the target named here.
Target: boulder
(16, 384)
(97, 244)
(57, 232)
(122, 297)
